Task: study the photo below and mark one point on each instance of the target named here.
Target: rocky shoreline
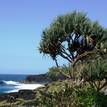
(41, 78)
(24, 94)
(28, 94)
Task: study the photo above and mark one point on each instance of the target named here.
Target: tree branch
(63, 50)
(62, 55)
(56, 62)
(103, 86)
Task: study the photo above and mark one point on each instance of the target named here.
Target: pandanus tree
(54, 37)
(90, 76)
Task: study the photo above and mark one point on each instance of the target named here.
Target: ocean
(11, 83)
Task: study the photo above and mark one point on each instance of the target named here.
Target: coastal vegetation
(82, 83)
(88, 64)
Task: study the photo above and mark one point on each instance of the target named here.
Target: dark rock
(42, 78)
(26, 94)
(9, 96)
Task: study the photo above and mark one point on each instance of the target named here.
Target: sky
(21, 26)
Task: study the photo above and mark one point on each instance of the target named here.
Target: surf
(16, 86)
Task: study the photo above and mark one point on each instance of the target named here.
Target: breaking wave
(16, 86)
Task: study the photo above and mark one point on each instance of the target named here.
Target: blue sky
(21, 25)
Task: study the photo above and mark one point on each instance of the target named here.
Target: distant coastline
(14, 83)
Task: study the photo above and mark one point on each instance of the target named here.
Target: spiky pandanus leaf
(96, 70)
(54, 36)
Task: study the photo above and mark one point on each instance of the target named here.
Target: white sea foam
(11, 83)
(28, 86)
(20, 86)
(11, 91)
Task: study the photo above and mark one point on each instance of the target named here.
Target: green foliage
(94, 73)
(63, 72)
(53, 37)
(85, 93)
(101, 100)
(96, 70)
(62, 98)
(60, 73)
(54, 73)
(86, 97)
(71, 95)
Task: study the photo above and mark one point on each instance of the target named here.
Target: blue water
(12, 77)
(8, 82)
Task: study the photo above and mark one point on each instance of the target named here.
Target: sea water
(11, 83)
